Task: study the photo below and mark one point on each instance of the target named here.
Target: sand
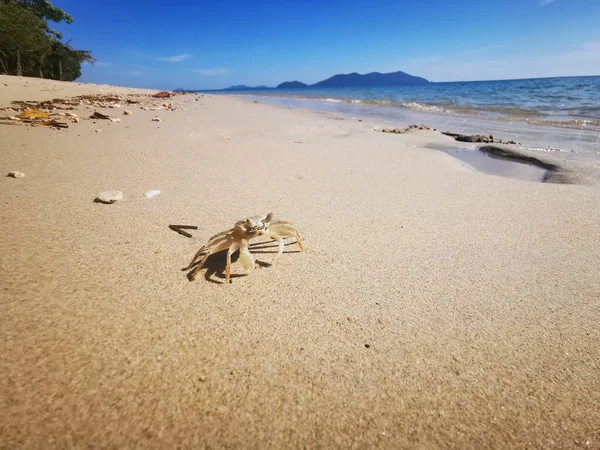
(434, 306)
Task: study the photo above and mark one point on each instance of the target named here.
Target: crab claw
(246, 258)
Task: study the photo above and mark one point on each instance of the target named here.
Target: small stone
(159, 358)
(98, 130)
(116, 105)
(75, 120)
(115, 119)
(127, 112)
(13, 118)
(15, 174)
(109, 197)
(71, 114)
(156, 119)
(367, 345)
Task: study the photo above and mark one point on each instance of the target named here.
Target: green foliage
(29, 47)
(20, 29)
(42, 9)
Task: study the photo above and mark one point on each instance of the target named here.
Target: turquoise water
(568, 99)
(572, 98)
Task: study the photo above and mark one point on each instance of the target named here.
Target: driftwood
(179, 229)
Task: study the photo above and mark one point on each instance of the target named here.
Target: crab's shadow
(215, 264)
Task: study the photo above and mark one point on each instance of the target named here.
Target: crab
(237, 238)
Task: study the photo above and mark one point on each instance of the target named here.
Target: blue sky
(208, 44)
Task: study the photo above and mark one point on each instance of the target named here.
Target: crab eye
(268, 218)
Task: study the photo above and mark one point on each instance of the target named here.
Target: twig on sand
(179, 229)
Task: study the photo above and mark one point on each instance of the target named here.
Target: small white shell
(151, 194)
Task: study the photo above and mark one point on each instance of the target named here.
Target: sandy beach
(434, 306)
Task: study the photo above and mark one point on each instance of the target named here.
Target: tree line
(29, 47)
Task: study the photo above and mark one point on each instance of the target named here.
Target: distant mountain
(292, 85)
(356, 79)
(243, 87)
(371, 79)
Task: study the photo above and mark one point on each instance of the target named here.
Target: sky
(206, 44)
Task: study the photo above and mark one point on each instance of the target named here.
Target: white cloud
(211, 72)
(545, 2)
(584, 60)
(175, 58)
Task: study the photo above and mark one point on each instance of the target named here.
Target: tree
(29, 47)
(65, 62)
(20, 31)
(42, 9)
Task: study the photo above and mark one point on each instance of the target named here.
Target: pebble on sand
(156, 119)
(115, 119)
(127, 112)
(15, 174)
(109, 197)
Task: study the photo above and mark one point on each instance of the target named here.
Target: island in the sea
(292, 85)
(243, 87)
(356, 79)
(345, 80)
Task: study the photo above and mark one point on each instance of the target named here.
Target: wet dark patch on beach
(503, 162)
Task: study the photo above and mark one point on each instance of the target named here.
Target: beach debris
(15, 174)
(179, 229)
(99, 115)
(477, 138)
(50, 123)
(127, 113)
(162, 94)
(33, 114)
(402, 130)
(394, 130)
(419, 127)
(152, 193)
(116, 105)
(13, 118)
(109, 197)
(99, 130)
(71, 114)
(156, 119)
(237, 239)
(115, 119)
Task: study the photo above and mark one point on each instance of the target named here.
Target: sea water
(546, 114)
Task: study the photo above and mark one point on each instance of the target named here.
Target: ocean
(545, 114)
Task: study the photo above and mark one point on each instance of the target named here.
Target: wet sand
(434, 306)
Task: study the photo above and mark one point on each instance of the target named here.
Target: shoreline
(563, 139)
(433, 305)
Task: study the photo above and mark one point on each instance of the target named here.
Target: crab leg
(231, 250)
(216, 249)
(276, 237)
(284, 229)
(204, 249)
